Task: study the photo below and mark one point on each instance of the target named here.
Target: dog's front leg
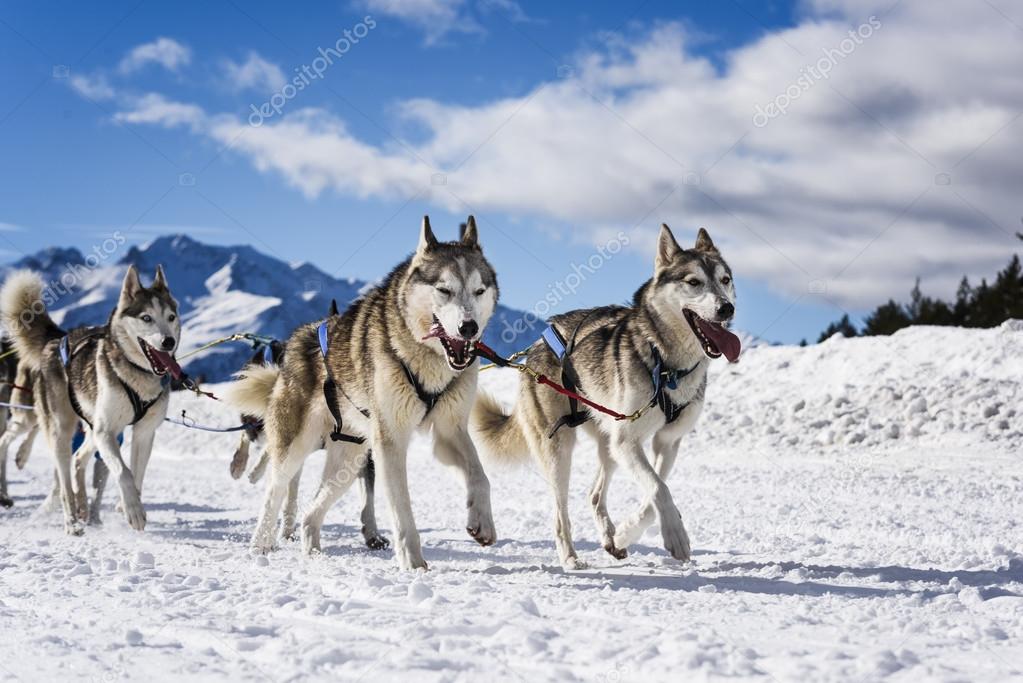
(628, 452)
(110, 451)
(665, 453)
(5, 500)
(390, 452)
(454, 447)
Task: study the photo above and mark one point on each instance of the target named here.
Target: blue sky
(558, 124)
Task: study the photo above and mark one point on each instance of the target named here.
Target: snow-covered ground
(854, 507)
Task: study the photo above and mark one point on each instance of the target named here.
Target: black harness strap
(667, 379)
(67, 354)
(330, 391)
(428, 399)
(569, 378)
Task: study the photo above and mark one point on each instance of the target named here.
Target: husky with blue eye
(106, 378)
(398, 360)
(651, 354)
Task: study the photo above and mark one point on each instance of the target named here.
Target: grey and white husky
(105, 377)
(253, 436)
(653, 353)
(399, 359)
(15, 388)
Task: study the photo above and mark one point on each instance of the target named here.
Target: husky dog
(107, 377)
(399, 359)
(273, 354)
(653, 353)
(15, 383)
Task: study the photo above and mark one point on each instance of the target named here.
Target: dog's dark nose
(168, 343)
(726, 311)
(468, 329)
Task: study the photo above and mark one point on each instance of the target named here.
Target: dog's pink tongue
(727, 343)
(168, 362)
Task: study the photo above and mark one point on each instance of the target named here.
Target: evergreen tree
(844, 326)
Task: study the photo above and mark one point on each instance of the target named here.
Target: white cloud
(92, 87)
(166, 52)
(156, 109)
(845, 189)
(255, 73)
(439, 18)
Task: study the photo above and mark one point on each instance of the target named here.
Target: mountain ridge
(221, 290)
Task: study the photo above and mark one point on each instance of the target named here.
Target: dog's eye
(694, 282)
(726, 280)
(444, 290)
(146, 318)
(479, 292)
(171, 318)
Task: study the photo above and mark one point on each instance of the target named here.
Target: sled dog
(15, 383)
(272, 354)
(106, 377)
(653, 353)
(399, 359)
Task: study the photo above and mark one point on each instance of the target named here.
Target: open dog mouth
(714, 338)
(458, 351)
(160, 362)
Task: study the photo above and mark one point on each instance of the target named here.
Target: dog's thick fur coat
(613, 360)
(424, 317)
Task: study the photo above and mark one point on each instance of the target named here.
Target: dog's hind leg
(340, 469)
(555, 457)
(291, 507)
(60, 433)
(367, 482)
(25, 449)
(257, 472)
(100, 474)
(598, 497)
(240, 460)
(5, 500)
(81, 464)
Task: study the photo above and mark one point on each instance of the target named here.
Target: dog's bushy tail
(250, 392)
(499, 435)
(25, 317)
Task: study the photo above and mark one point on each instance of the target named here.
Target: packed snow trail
(828, 547)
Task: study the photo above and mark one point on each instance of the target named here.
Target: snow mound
(924, 384)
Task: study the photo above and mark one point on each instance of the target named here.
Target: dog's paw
(574, 564)
(616, 552)
(481, 526)
(310, 539)
(676, 542)
(6, 502)
(94, 518)
(238, 463)
(375, 541)
(74, 528)
(136, 516)
(409, 561)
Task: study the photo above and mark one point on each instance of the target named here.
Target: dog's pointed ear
(333, 308)
(160, 280)
(427, 240)
(704, 242)
(667, 248)
(470, 235)
(131, 285)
